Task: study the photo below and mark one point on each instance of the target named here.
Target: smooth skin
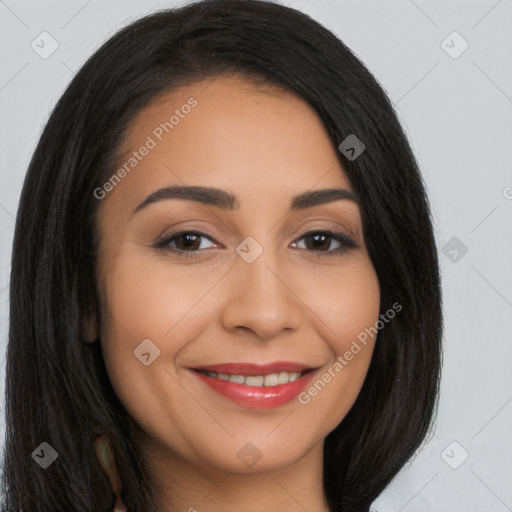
(264, 145)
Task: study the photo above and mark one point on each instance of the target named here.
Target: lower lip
(257, 397)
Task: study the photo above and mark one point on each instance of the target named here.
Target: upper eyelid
(332, 225)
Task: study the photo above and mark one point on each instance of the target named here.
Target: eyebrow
(229, 202)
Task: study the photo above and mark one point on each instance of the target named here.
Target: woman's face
(257, 286)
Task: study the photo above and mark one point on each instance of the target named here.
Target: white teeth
(283, 378)
(254, 380)
(273, 379)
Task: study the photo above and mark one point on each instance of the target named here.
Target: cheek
(145, 300)
(347, 306)
(346, 301)
(149, 298)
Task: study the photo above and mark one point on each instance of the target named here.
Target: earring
(105, 456)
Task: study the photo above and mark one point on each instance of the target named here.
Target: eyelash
(347, 243)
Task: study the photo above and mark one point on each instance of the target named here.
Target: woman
(263, 371)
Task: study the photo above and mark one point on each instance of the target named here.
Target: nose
(260, 297)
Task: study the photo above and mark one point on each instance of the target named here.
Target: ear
(89, 328)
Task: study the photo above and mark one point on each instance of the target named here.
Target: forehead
(262, 143)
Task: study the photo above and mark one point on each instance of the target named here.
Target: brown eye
(320, 241)
(182, 242)
(186, 241)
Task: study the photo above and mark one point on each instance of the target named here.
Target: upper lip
(255, 368)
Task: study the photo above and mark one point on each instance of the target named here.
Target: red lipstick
(253, 396)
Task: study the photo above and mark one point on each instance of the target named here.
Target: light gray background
(458, 115)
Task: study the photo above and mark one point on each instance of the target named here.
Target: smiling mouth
(257, 386)
(268, 380)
